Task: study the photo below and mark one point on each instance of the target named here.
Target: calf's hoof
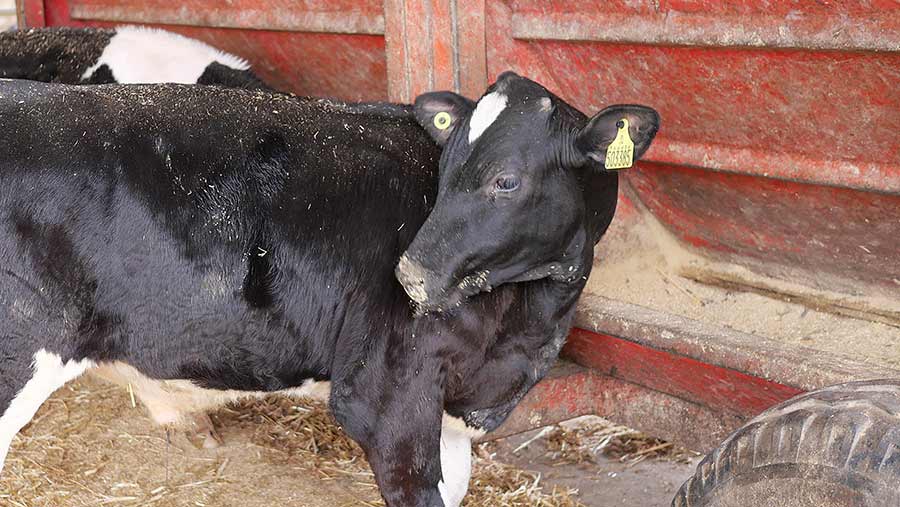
(202, 433)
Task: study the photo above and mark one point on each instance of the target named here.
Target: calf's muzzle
(414, 279)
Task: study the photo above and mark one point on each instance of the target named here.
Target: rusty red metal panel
(443, 35)
(472, 56)
(815, 228)
(778, 24)
(835, 108)
(570, 391)
(683, 377)
(842, 105)
(31, 13)
(411, 46)
(336, 16)
(319, 64)
(801, 98)
(434, 45)
(396, 52)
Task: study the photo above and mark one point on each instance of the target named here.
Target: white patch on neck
(149, 55)
(460, 426)
(49, 375)
(489, 108)
(456, 461)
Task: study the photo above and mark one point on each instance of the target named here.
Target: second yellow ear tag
(442, 120)
(620, 154)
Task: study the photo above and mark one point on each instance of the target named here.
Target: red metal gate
(779, 153)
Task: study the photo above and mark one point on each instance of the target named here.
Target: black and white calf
(126, 54)
(212, 243)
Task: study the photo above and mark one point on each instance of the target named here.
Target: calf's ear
(440, 113)
(594, 139)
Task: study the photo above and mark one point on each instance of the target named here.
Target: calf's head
(522, 189)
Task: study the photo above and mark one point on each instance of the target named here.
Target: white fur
(456, 461)
(546, 104)
(147, 55)
(171, 402)
(489, 108)
(460, 426)
(49, 375)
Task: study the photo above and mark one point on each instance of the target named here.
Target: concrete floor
(608, 483)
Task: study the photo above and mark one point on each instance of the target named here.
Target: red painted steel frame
(672, 396)
(713, 386)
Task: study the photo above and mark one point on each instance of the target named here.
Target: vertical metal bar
(434, 45)
(454, 30)
(472, 49)
(396, 51)
(31, 13)
(443, 47)
(20, 13)
(420, 55)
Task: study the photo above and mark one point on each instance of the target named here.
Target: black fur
(103, 75)
(57, 55)
(223, 75)
(247, 240)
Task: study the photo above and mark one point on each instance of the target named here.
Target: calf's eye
(507, 182)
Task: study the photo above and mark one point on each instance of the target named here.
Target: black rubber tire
(835, 447)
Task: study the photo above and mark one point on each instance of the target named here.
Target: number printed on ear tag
(620, 154)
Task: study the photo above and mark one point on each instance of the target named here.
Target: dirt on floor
(89, 446)
(609, 465)
(645, 266)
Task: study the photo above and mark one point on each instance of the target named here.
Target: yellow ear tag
(620, 154)
(442, 120)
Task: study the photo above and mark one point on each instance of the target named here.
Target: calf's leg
(167, 404)
(393, 408)
(25, 383)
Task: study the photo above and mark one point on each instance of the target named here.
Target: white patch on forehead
(49, 375)
(456, 461)
(489, 108)
(546, 104)
(145, 55)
